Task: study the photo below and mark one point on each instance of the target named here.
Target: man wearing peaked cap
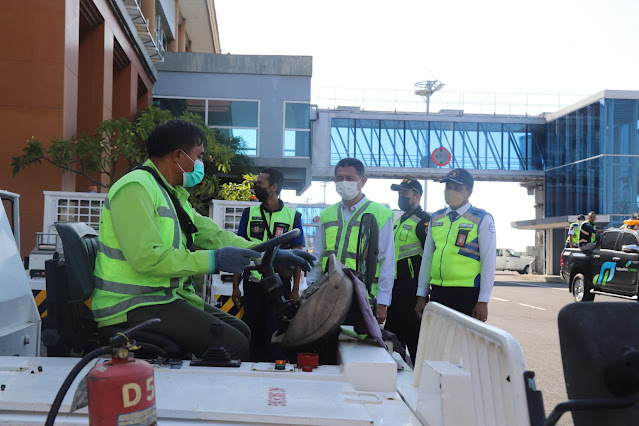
(409, 234)
(458, 266)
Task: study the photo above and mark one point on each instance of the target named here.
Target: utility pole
(425, 89)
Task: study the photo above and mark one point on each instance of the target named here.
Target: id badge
(462, 235)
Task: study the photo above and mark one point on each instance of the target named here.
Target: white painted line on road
(562, 289)
(531, 306)
(497, 298)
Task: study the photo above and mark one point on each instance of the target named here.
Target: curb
(543, 278)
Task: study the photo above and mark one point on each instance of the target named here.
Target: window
(297, 129)
(512, 252)
(608, 240)
(179, 106)
(236, 119)
(628, 239)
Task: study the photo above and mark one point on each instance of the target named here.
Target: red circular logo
(441, 156)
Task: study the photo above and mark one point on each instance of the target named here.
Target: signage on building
(441, 156)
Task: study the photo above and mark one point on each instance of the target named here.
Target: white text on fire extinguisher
(134, 388)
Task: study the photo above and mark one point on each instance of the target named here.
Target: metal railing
(531, 104)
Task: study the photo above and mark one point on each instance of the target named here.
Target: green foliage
(238, 191)
(116, 147)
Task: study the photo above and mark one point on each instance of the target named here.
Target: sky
(543, 47)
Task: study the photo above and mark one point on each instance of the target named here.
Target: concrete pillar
(182, 36)
(172, 45)
(148, 10)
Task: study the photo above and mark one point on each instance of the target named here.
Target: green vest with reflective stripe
(456, 260)
(285, 216)
(574, 239)
(406, 242)
(593, 234)
(341, 238)
(118, 287)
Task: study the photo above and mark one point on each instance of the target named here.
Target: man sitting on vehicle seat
(146, 254)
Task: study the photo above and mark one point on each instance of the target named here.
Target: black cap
(460, 176)
(581, 217)
(408, 183)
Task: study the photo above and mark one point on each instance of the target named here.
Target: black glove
(235, 259)
(294, 257)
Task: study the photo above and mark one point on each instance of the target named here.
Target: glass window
(297, 129)
(180, 106)
(628, 238)
(608, 240)
(236, 119)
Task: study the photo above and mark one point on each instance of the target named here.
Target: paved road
(528, 310)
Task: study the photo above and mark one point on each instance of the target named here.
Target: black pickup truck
(608, 266)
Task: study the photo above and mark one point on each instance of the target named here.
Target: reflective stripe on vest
(406, 242)
(118, 287)
(593, 234)
(456, 261)
(286, 215)
(574, 239)
(341, 239)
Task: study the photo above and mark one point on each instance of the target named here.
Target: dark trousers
(401, 317)
(196, 330)
(461, 299)
(259, 316)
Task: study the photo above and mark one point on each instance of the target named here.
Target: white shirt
(487, 256)
(386, 257)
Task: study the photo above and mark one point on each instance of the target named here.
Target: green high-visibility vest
(456, 261)
(341, 238)
(574, 239)
(593, 234)
(281, 221)
(118, 287)
(407, 244)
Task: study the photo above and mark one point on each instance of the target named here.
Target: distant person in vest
(260, 223)
(146, 254)
(339, 229)
(572, 241)
(410, 233)
(458, 268)
(588, 230)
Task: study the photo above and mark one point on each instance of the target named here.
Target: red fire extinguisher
(120, 391)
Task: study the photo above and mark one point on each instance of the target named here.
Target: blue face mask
(190, 179)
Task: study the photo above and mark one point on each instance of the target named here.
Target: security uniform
(456, 267)
(409, 234)
(573, 238)
(259, 225)
(587, 233)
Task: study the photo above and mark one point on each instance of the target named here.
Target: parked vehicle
(510, 260)
(608, 266)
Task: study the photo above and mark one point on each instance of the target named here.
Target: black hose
(57, 402)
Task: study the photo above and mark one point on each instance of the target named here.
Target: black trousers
(196, 330)
(401, 317)
(260, 317)
(461, 299)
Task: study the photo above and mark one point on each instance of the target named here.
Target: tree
(116, 148)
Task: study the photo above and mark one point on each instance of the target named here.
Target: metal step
(614, 295)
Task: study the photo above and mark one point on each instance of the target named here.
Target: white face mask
(347, 190)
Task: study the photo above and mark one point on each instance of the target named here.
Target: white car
(510, 260)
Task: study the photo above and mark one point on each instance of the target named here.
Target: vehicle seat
(80, 245)
(597, 355)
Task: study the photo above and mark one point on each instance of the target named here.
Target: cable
(57, 402)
